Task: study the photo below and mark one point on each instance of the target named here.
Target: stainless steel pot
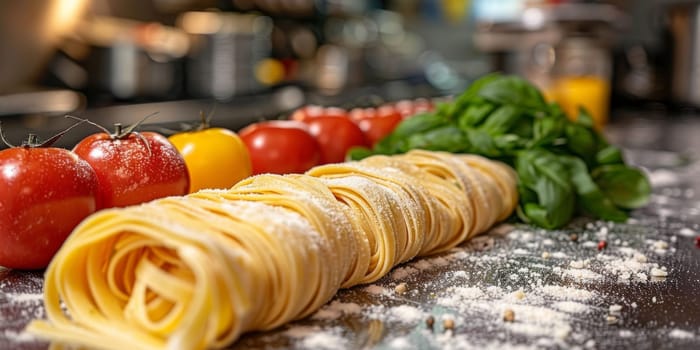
(226, 48)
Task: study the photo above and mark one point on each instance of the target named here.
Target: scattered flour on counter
(458, 253)
(314, 337)
(26, 297)
(336, 309)
(678, 333)
(327, 314)
(566, 293)
(325, 341)
(589, 244)
(447, 341)
(662, 177)
(582, 274)
(400, 314)
(376, 289)
(422, 265)
(578, 264)
(535, 321)
(406, 314)
(458, 296)
(401, 343)
(558, 255)
(520, 251)
(630, 266)
(402, 273)
(302, 331)
(19, 337)
(439, 261)
(659, 247)
(480, 244)
(571, 307)
(686, 232)
(502, 229)
(460, 274)
(626, 333)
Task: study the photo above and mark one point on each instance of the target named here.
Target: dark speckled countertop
(562, 293)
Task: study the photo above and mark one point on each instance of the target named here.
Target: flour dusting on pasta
(199, 271)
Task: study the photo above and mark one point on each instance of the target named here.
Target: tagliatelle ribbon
(198, 271)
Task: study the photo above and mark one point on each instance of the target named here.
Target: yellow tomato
(215, 157)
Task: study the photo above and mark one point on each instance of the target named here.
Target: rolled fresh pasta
(198, 271)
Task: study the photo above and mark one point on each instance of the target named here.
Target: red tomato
(409, 108)
(280, 147)
(308, 111)
(357, 114)
(335, 112)
(44, 194)
(313, 111)
(336, 135)
(421, 105)
(134, 169)
(376, 123)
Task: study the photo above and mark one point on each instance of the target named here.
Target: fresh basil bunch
(564, 168)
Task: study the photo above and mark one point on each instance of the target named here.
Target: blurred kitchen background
(247, 60)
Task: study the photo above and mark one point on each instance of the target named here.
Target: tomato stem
(119, 131)
(32, 140)
(2, 136)
(132, 127)
(204, 121)
(54, 138)
(91, 123)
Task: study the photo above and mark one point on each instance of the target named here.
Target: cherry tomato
(408, 108)
(336, 135)
(44, 194)
(280, 146)
(215, 157)
(308, 111)
(312, 111)
(357, 114)
(376, 123)
(134, 168)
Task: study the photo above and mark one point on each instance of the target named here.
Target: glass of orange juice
(581, 78)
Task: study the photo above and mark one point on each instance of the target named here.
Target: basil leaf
(507, 118)
(627, 187)
(358, 153)
(609, 155)
(418, 124)
(590, 197)
(514, 91)
(546, 130)
(584, 118)
(501, 120)
(471, 94)
(482, 143)
(474, 115)
(581, 141)
(447, 138)
(508, 144)
(541, 173)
